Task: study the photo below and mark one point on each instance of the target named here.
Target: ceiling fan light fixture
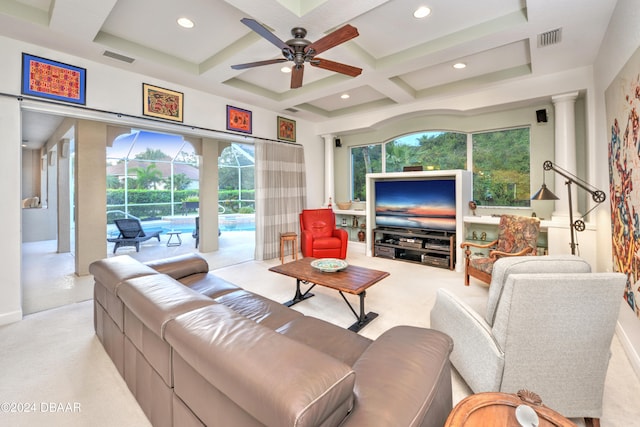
(301, 51)
(422, 12)
(285, 69)
(186, 22)
(459, 65)
(345, 96)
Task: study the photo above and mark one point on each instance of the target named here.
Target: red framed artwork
(286, 129)
(55, 80)
(238, 119)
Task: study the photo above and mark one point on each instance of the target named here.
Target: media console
(429, 247)
(391, 237)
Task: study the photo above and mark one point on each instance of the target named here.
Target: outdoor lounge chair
(131, 234)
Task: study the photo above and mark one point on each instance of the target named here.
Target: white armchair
(547, 327)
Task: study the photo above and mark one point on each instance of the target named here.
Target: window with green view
(501, 162)
(501, 166)
(431, 150)
(365, 159)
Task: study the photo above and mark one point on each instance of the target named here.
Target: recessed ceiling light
(459, 65)
(422, 12)
(285, 69)
(185, 23)
(344, 96)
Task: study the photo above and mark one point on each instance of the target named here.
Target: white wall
(621, 41)
(10, 295)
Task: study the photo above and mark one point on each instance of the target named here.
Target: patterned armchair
(517, 236)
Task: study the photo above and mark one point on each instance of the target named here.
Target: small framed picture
(162, 103)
(238, 119)
(45, 78)
(286, 129)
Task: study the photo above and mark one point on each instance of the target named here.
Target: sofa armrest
(342, 234)
(306, 243)
(403, 379)
(475, 355)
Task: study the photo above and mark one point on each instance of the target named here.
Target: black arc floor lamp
(545, 194)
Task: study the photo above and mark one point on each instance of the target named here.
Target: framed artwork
(286, 129)
(45, 78)
(238, 119)
(162, 103)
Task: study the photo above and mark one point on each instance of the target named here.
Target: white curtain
(280, 194)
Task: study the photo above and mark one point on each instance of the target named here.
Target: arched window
(500, 161)
(432, 150)
(150, 175)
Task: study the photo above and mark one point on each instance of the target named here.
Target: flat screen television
(428, 204)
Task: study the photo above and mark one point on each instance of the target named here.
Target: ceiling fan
(299, 50)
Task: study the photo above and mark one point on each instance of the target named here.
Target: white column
(64, 197)
(565, 151)
(328, 169)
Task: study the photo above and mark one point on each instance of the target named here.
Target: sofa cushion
(157, 299)
(258, 308)
(180, 266)
(108, 274)
(111, 272)
(277, 380)
(320, 243)
(208, 284)
(343, 344)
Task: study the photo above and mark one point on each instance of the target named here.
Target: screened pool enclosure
(155, 177)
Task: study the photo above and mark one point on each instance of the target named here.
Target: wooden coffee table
(352, 280)
(494, 409)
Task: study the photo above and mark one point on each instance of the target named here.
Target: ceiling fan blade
(297, 72)
(257, 64)
(336, 66)
(265, 33)
(335, 38)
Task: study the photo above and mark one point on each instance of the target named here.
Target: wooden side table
(292, 237)
(499, 409)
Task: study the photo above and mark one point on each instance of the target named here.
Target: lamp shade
(544, 194)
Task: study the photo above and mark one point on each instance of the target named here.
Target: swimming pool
(187, 224)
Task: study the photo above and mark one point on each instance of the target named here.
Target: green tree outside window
(501, 168)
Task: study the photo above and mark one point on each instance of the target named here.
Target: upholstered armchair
(319, 237)
(545, 325)
(517, 236)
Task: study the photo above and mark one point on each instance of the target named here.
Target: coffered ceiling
(403, 59)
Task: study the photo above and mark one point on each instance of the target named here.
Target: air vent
(550, 37)
(118, 56)
(291, 110)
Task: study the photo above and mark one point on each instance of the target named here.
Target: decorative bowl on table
(344, 206)
(329, 265)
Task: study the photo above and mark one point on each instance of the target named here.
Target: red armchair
(319, 237)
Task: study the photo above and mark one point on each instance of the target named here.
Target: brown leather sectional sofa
(196, 350)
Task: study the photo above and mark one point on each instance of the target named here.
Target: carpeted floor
(55, 372)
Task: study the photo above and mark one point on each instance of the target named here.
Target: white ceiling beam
(80, 18)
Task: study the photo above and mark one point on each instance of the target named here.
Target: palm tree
(148, 178)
